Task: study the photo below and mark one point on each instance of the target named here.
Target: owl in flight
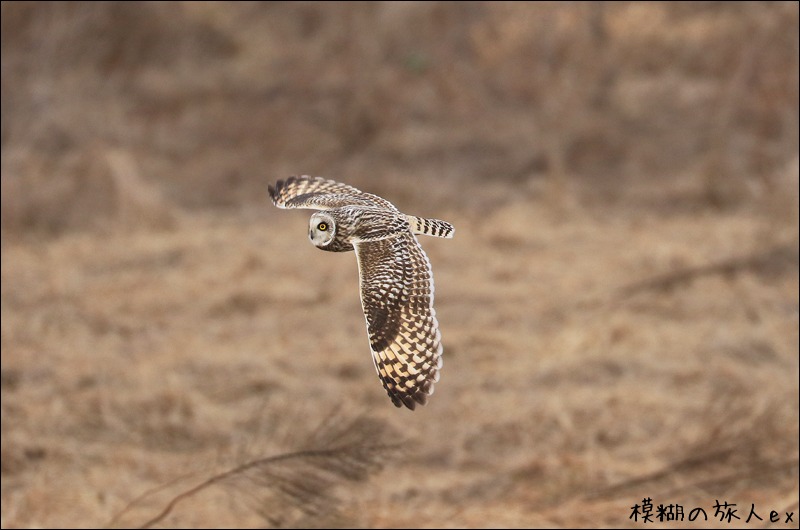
(394, 275)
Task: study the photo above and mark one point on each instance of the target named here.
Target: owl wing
(397, 298)
(318, 193)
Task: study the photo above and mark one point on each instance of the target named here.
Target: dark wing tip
(276, 192)
(396, 401)
(411, 400)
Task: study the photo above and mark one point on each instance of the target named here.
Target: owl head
(329, 232)
(321, 229)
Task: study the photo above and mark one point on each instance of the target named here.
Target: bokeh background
(619, 306)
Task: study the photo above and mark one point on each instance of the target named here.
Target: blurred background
(619, 306)
(208, 102)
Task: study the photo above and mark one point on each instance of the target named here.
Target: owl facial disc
(321, 229)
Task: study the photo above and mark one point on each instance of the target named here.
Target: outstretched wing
(318, 193)
(397, 298)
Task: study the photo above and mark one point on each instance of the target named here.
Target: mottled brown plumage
(394, 276)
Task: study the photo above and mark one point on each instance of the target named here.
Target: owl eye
(322, 226)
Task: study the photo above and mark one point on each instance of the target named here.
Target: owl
(395, 277)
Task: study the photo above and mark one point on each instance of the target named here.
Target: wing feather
(397, 298)
(318, 193)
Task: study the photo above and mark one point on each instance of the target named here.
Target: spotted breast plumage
(395, 277)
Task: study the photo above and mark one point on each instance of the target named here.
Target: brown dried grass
(619, 305)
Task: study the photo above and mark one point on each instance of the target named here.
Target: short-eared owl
(394, 275)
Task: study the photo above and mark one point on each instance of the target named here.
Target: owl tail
(430, 227)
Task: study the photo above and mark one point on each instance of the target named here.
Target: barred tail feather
(430, 227)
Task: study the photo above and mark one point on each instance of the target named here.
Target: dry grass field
(619, 306)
